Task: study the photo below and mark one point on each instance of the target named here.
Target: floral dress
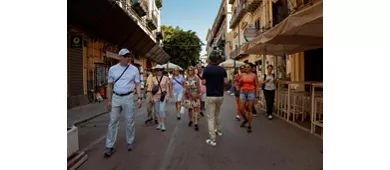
(190, 101)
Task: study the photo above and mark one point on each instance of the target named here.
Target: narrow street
(273, 145)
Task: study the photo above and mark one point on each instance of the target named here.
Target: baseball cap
(123, 52)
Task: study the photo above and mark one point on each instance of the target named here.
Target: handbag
(163, 93)
(155, 88)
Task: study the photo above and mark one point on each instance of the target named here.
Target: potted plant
(151, 24)
(138, 7)
(158, 4)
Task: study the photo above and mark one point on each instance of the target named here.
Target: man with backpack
(269, 86)
(123, 79)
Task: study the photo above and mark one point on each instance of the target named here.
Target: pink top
(202, 87)
(164, 86)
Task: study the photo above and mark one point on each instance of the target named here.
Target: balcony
(253, 5)
(231, 1)
(152, 26)
(129, 9)
(221, 15)
(238, 13)
(140, 7)
(158, 4)
(237, 53)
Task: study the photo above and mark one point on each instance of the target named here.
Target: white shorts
(177, 97)
(203, 97)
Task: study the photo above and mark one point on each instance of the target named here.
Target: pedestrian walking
(149, 98)
(122, 78)
(192, 97)
(214, 77)
(202, 93)
(254, 71)
(248, 93)
(237, 78)
(177, 82)
(268, 86)
(161, 94)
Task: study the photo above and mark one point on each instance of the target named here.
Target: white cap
(158, 67)
(123, 52)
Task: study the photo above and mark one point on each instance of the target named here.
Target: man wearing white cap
(122, 78)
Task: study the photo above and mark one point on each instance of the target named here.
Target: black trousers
(269, 99)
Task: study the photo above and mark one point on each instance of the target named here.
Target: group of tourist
(199, 91)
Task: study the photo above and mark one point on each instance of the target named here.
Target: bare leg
(190, 117)
(243, 112)
(249, 114)
(196, 115)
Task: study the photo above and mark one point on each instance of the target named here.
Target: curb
(78, 122)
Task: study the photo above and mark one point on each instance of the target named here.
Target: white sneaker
(211, 143)
(158, 126)
(238, 118)
(269, 117)
(218, 133)
(228, 91)
(232, 94)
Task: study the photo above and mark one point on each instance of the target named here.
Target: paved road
(273, 145)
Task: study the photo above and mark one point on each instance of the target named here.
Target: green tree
(184, 47)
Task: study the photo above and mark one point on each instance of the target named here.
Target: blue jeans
(247, 95)
(125, 104)
(159, 107)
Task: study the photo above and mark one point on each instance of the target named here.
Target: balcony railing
(253, 5)
(238, 13)
(151, 24)
(231, 1)
(126, 6)
(236, 53)
(140, 7)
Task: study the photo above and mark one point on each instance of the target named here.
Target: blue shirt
(214, 76)
(127, 82)
(177, 88)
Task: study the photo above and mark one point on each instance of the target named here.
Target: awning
(298, 32)
(112, 55)
(276, 49)
(106, 20)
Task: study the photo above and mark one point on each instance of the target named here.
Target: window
(257, 24)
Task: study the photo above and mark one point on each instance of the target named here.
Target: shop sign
(76, 42)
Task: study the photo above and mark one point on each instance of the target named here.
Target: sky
(195, 15)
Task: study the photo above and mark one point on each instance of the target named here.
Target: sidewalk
(87, 112)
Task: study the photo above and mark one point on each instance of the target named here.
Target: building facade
(217, 34)
(95, 39)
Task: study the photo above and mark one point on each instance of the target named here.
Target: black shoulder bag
(155, 88)
(163, 93)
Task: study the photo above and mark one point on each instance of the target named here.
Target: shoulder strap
(160, 81)
(265, 76)
(122, 74)
(199, 76)
(176, 81)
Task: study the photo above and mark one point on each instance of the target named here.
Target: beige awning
(298, 32)
(276, 49)
(112, 55)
